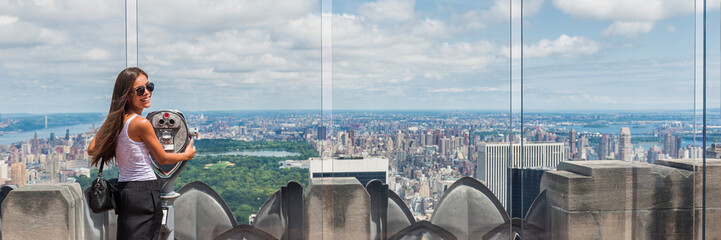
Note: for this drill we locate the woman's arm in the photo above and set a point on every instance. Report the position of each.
(145, 131)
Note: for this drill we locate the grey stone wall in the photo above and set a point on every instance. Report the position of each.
(43, 212)
(622, 200)
(582, 200)
(337, 208)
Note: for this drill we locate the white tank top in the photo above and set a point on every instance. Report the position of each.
(133, 158)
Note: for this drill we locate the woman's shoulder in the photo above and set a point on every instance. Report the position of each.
(140, 122)
(139, 126)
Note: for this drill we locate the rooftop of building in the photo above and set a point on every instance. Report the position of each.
(654, 201)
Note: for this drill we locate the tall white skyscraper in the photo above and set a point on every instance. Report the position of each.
(3, 171)
(625, 149)
(363, 169)
(445, 146)
(493, 162)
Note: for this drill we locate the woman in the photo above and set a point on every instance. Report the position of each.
(129, 139)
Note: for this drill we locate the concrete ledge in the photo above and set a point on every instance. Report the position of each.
(336, 208)
(44, 212)
(600, 168)
(615, 186)
(713, 179)
(623, 200)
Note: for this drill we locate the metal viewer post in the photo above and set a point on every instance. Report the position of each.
(172, 131)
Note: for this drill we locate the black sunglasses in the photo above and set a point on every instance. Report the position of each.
(141, 90)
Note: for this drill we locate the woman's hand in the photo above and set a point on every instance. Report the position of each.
(142, 128)
(189, 150)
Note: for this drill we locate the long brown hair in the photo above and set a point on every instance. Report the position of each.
(107, 138)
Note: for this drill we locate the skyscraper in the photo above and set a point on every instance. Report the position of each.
(603, 147)
(363, 169)
(539, 135)
(679, 143)
(572, 142)
(399, 140)
(669, 145)
(445, 146)
(342, 139)
(17, 174)
(625, 149)
(653, 154)
(35, 144)
(583, 143)
(321, 132)
(493, 162)
(429, 138)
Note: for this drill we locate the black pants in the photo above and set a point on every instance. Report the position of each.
(139, 210)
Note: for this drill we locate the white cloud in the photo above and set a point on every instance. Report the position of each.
(398, 92)
(582, 98)
(500, 9)
(368, 56)
(14, 32)
(56, 13)
(499, 12)
(670, 28)
(447, 90)
(598, 99)
(628, 29)
(7, 20)
(470, 89)
(365, 54)
(431, 28)
(563, 46)
(302, 32)
(209, 16)
(627, 10)
(97, 54)
(388, 10)
(248, 52)
(434, 75)
(260, 54)
(631, 17)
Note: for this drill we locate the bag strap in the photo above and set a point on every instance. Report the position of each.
(100, 171)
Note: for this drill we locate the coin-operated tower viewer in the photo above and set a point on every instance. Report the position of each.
(172, 130)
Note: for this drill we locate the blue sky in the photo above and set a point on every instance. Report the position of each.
(63, 56)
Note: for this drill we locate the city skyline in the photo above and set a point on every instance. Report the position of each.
(423, 55)
(423, 152)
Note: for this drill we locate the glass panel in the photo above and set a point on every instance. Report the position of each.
(708, 216)
(58, 62)
(247, 75)
(418, 88)
(609, 97)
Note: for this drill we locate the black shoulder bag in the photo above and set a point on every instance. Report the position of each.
(101, 193)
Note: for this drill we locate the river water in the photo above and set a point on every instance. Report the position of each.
(636, 131)
(9, 138)
(611, 129)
